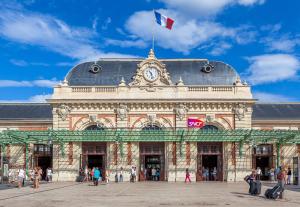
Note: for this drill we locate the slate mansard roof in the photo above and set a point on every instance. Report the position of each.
(33, 111)
(25, 111)
(276, 111)
(112, 71)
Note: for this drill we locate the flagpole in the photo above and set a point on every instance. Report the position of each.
(153, 24)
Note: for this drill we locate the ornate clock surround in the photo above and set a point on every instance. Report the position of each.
(142, 82)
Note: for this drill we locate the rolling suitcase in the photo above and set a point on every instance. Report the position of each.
(257, 187)
(274, 192)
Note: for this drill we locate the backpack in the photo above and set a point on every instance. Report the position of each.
(280, 176)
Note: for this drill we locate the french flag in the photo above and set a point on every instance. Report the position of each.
(163, 20)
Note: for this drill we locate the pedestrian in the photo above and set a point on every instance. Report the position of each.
(37, 177)
(250, 179)
(187, 175)
(49, 174)
(157, 174)
(289, 174)
(153, 173)
(92, 174)
(271, 174)
(86, 174)
(276, 172)
(258, 173)
(281, 178)
(145, 174)
(121, 175)
(107, 176)
(206, 174)
(214, 173)
(96, 176)
(21, 177)
(133, 174)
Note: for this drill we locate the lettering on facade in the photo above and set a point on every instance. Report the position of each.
(195, 123)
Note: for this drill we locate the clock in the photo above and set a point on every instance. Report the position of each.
(151, 74)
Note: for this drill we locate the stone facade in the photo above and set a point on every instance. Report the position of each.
(140, 103)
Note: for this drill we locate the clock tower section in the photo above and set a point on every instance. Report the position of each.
(150, 74)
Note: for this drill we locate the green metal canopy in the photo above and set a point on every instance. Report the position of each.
(253, 137)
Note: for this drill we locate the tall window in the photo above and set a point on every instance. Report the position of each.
(209, 128)
(95, 127)
(152, 127)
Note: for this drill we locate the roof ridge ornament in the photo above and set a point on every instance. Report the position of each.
(122, 82)
(180, 82)
(151, 54)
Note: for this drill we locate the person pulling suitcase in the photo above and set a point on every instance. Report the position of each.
(254, 185)
(277, 190)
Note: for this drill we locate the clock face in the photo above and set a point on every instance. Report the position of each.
(151, 74)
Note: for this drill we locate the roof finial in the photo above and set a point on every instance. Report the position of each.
(151, 54)
(122, 82)
(180, 82)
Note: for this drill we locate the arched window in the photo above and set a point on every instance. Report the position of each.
(95, 127)
(209, 128)
(151, 127)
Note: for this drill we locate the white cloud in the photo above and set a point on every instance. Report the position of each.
(22, 26)
(270, 68)
(270, 97)
(106, 23)
(185, 35)
(35, 83)
(206, 7)
(32, 99)
(95, 23)
(23, 63)
(284, 43)
(220, 48)
(39, 98)
(126, 43)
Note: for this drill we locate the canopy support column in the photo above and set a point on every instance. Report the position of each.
(27, 158)
(278, 154)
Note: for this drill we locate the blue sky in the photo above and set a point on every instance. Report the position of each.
(41, 40)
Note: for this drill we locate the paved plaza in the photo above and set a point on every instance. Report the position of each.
(150, 194)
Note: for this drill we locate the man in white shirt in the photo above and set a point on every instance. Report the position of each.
(21, 177)
(49, 174)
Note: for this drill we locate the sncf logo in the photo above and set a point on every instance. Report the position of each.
(195, 123)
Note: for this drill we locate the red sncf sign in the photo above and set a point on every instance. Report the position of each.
(195, 123)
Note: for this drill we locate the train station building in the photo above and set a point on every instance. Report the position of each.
(168, 114)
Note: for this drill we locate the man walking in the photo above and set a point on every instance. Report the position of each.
(96, 176)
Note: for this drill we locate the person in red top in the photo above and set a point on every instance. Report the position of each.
(187, 175)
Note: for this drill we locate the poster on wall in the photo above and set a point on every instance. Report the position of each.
(193, 122)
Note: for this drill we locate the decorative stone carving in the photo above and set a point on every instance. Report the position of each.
(122, 111)
(141, 81)
(63, 111)
(93, 118)
(152, 118)
(181, 111)
(210, 118)
(239, 111)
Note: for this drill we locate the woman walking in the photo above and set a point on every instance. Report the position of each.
(187, 175)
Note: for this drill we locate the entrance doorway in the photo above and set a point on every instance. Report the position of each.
(210, 161)
(152, 161)
(263, 159)
(95, 161)
(42, 156)
(94, 155)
